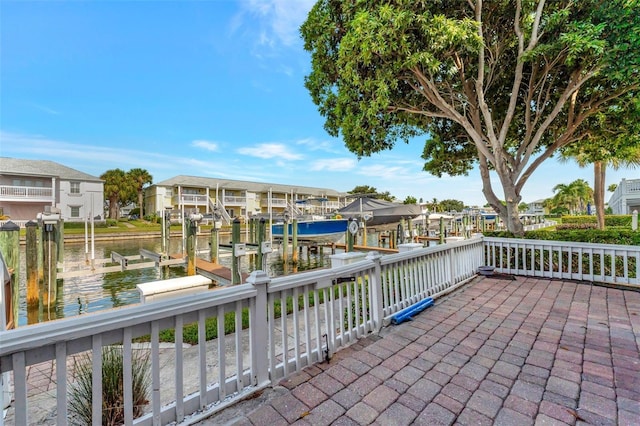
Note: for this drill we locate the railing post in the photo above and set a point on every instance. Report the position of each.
(259, 329)
(375, 285)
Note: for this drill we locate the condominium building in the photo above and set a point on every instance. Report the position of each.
(626, 198)
(29, 187)
(242, 199)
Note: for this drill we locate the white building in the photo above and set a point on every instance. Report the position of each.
(536, 207)
(27, 187)
(626, 198)
(235, 198)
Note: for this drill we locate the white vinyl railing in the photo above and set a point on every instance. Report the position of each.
(605, 263)
(293, 321)
(25, 192)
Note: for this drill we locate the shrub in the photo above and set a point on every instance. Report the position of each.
(80, 392)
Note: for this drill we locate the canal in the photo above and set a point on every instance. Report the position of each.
(94, 292)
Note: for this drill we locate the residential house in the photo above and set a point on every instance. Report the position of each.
(234, 198)
(536, 207)
(626, 198)
(29, 187)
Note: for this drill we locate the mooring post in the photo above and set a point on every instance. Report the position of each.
(235, 260)
(214, 243)
(60, 241)
(285, 240)
(33, 289)
(49, 261)
(294, 242)
(352, 229)
(192, 228)
(261, 236)
(10, 248)
(441, 230)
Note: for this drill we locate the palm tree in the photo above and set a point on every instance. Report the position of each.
(116, 187)
(573, 196)
(141, 178)
(627, 156)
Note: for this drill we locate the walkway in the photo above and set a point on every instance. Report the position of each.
(503, 351)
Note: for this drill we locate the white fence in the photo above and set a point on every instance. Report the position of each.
(274, 327)
(605, 263)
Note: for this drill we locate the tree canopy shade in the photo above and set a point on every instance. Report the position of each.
(501, 85)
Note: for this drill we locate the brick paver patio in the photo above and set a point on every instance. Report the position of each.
(501, 351)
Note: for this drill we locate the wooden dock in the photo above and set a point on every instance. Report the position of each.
(220, 274)
(368, 248)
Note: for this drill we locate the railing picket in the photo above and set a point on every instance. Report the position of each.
(61, 383)
(96, 378)
(127, 376)
(296, 329)
(20, 387)
(155, 373)
(179, 369)
(238, 348)
(222, 364)
(202, 357)
(307, 321)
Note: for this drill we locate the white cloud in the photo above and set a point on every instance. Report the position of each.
(280, 20)
(270, 150)
(207, 145)
(334, 164)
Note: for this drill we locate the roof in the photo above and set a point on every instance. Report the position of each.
(44, 168)
(258, 187)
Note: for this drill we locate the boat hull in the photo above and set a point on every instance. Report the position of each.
(321, 231)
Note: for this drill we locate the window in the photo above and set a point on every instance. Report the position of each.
(75, 211)
(75, 187)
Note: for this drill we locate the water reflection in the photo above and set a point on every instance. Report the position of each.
(100, 291)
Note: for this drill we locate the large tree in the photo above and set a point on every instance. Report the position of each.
(141, 177)
(614, 145)
(117, 187)
(502, 85)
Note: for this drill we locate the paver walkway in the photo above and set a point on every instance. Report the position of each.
(501, 351)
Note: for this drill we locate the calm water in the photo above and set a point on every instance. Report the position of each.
(95, 292)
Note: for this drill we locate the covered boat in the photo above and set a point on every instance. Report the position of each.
(379, 212)
(316, 230)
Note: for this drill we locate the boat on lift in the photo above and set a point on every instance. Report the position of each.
(315, 229)
(379, 212)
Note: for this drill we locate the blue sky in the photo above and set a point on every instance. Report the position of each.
(202, 88)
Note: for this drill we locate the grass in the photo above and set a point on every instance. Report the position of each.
(80, 392)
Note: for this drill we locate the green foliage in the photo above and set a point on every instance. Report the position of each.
(451, 205)
(610, 220)
(80, 391)
(410, 200)
(610, 236)
(504, 87)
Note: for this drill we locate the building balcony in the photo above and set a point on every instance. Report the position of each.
(190, 200)
(25, 193)
(275, 202)
(234, 201)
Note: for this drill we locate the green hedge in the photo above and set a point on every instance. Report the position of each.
(609, 220)
(621, 236)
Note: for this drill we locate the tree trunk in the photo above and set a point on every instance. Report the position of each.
(113, 208)
(141, 214)
(599, 171)
(509, 213)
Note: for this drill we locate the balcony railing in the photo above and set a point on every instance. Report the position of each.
(327, 309)
(275, 202)
(633, 186)
(235, 201)
(35, 193)
(190, 199)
